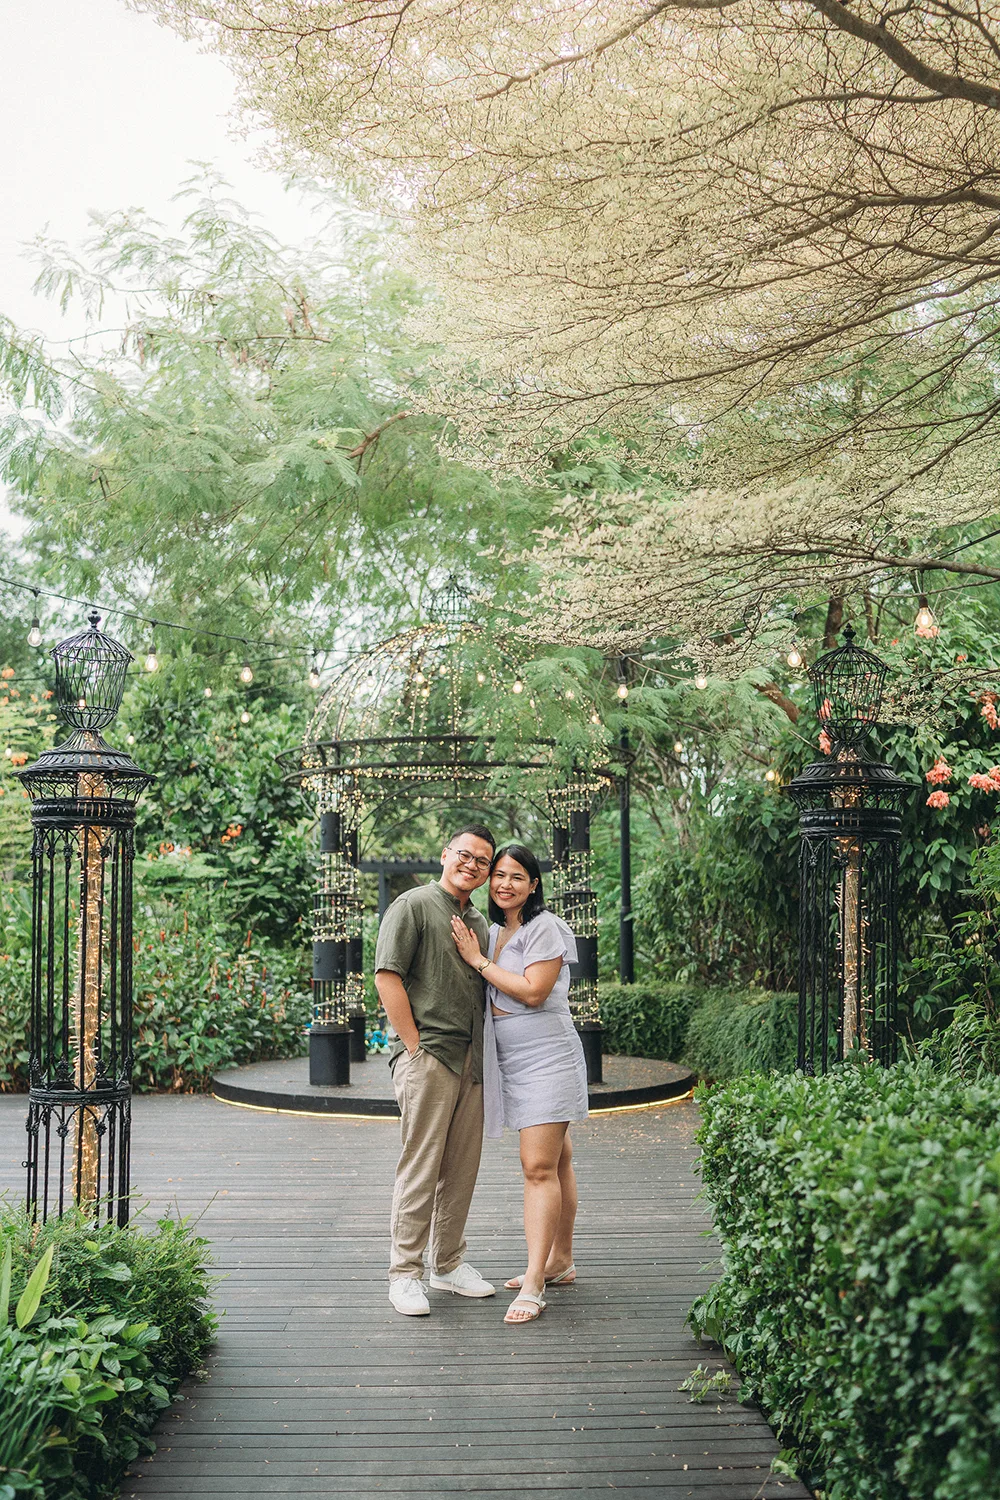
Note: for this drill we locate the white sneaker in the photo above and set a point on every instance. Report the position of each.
(464, 1281)
(408, 1296)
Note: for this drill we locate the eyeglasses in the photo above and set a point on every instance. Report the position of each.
(476, 860)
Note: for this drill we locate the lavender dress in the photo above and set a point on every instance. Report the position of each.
(534, 1071)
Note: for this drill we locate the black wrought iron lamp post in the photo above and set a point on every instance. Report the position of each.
(576, 902)
(848, 870)
(83, 795)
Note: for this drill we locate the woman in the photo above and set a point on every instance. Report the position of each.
(535, 1076)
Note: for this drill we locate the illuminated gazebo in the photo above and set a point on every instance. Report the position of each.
(438, 715)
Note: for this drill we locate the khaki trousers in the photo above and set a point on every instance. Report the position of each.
(442, 1135)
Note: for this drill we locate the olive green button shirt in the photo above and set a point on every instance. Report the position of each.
(446, 994)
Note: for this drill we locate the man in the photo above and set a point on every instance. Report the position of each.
(434, 1002)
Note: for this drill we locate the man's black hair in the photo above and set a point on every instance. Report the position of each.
(478, 831)
(536, 899)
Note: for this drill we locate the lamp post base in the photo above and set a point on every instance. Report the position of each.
(359, 1045)
(329, 1053)
(591, 1034)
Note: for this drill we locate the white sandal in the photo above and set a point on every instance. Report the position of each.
(526, 1299)
(565, 1278)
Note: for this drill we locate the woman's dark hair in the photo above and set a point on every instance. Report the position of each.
(536, 900)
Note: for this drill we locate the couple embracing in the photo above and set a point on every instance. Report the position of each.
(485, 1035)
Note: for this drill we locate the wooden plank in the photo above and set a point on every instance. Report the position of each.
(318, 1388)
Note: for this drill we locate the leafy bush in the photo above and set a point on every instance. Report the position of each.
(203, 1000)
(106, 1322)
(718, 1032)
(647, 1020)
(742, 1031)
(860, 1218)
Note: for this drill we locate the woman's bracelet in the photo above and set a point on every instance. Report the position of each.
(484, 966)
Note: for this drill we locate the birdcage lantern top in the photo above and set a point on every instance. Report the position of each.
(848, 683)
(90, 677)
(449, 605)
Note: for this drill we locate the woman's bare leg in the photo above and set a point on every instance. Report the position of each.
(541, 1152)
(561, 1254)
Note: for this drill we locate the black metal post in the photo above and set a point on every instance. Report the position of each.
(83, 794)
(850, 831)
(626, 932)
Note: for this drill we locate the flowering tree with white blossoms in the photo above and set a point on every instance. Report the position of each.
(772, 224)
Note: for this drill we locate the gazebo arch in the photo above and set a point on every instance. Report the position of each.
(438, 713)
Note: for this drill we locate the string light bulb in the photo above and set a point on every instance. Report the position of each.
(81, 702)
(130, 739)
(925, 623)
(623, 691)
(419, 678)
(480, 677)
(35, 633)
(701, 682)
(678, 747)
(314, 675)
(244, 717)
(152, 662)
(442, 670)
(518, 686)
(770, 775)
(794, 657)
(208, 692)
(246, 672)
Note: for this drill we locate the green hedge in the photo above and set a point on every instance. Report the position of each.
(99, 1328)
(647, 1020)
(205, 998)
(718, 1032)
(743, 1031)
(860, 1219)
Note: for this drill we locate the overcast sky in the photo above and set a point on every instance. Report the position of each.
(103, 109)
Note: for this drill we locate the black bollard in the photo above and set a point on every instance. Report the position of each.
(329, 1053)
(592, 1037)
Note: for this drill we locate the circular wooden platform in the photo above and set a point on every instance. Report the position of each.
(628, 1081)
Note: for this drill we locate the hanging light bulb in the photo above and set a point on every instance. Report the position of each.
(425, 692)
(518, 686)
(623, 691)
(794, 657)
(152, 662)
(81, 702)
(130, 739)
(770, 775)
(678, 747)
(701, 682)
(925, 623)
(314, 675)
(246, 672)
(8, 751)
(244, 717)
(208, 692)
(420, 678)
(35, 633)
(480, 677)
(442, 670)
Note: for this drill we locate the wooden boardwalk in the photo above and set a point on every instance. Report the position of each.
(317, 1388)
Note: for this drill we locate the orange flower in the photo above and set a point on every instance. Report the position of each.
(939, 772)
(7, 672)
(825, 743)
(938, 799)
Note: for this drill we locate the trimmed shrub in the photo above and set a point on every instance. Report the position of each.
(742, 1031)
(647, 1020)
(100, 1326)
(204, 998)
(860, 1218)
(717, 1032)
